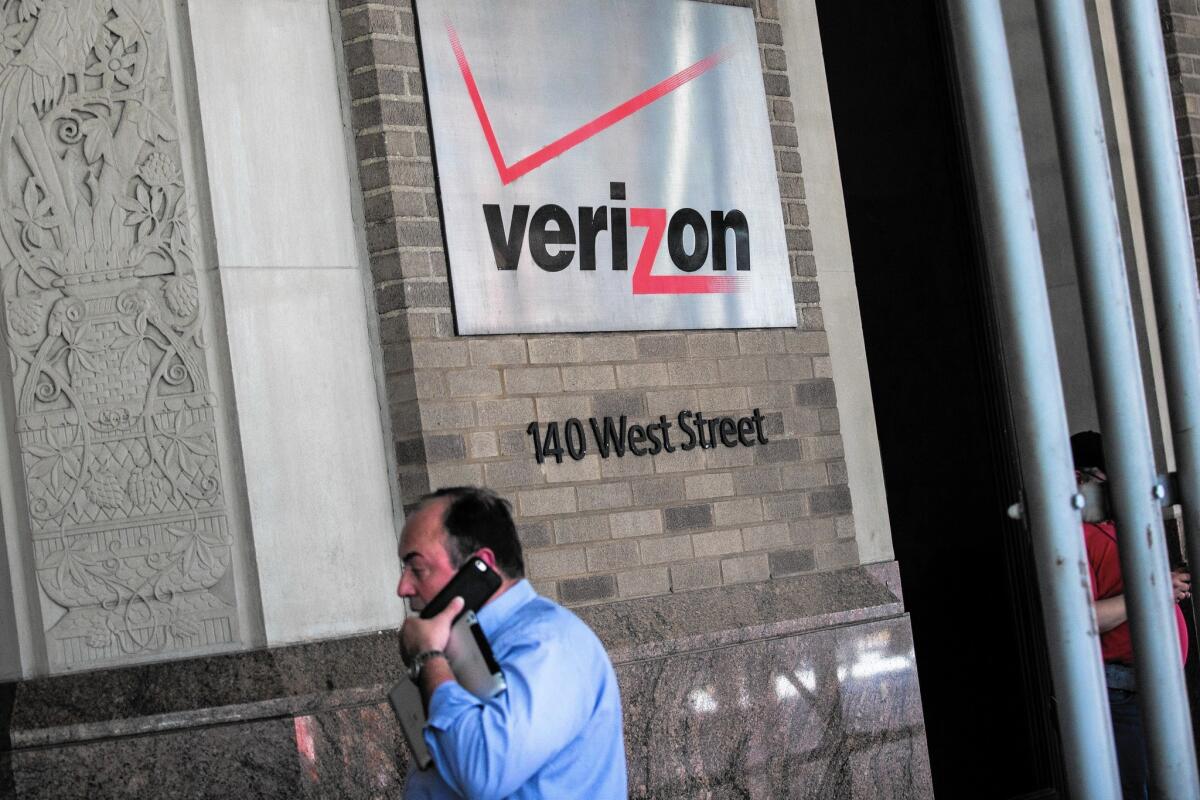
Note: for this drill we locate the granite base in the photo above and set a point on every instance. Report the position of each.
(800, 688)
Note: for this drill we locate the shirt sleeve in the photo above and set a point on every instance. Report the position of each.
(488, 749)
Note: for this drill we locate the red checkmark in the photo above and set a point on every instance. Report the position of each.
(508, 174)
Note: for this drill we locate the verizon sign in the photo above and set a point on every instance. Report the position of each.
(604, 165)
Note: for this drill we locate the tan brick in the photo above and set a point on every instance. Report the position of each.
(670, 402)
(739, 511)
(820, 448)
(440, 354)
(670, 548)
(644, 582)
(504, 474)
(809, 342)
(802, 421)
(498, 413)
(747, 369)
(560, 409)
(627, 467)
(845, 527)
(758, 342)
(716, 543)
(636, 523)
(662, 345)
(767, 537)
(570, 471)
(743, 569)
(571, 530)
(822, 367)
(813, 531)
(604, 495)
(756, 480)
(482, 445)
(724, 399)
(770, 396)
(547, 589)
(445, 415)
(656, 491)
(807, 475)
(588, 378)
(639, 376)
(612, 556)
(842, 553)
(554, 350)
(532, 380)
(498, 352)
(540, 502)
(709, 485)
(697, 575)
(694, 373)
(680, 460)
(785, 506)
(789, 367)
(441, 475)
(727, 457)
(428, 384)
(473, 382)
(556, 563)
(713, 345)
(596, 349)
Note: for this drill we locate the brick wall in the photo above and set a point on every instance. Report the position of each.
(1181, 34)
(596, 529)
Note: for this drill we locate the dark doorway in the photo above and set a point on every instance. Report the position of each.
(941, 402)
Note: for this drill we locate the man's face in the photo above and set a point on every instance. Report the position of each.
(425, 564)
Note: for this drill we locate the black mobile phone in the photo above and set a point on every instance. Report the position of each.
(475, 582)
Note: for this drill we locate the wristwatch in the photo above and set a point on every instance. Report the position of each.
(418, 662)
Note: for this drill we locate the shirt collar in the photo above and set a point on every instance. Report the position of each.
(493, 615)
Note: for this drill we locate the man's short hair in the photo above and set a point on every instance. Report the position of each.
(476, 518)
(1087, 450)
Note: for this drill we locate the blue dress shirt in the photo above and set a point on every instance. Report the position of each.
(555, 732)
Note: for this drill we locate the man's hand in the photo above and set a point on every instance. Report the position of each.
(1181, 582)
(419, 635)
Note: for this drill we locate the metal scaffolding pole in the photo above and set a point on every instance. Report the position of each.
(1051, 504)
(1120, 396)
(1169, 242)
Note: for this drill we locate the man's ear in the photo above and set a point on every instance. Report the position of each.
(486, 555)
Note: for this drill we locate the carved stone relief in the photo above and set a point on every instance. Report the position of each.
(115, 411)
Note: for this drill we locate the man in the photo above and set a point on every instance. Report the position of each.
(1116, 646)
(555, 732)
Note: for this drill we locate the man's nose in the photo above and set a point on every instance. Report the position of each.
(405, 587)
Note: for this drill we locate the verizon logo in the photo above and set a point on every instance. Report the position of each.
(555, 238)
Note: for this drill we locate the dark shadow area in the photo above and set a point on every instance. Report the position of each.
(941, 402)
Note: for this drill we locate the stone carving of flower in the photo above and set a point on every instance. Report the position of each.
(25, 314)
(196, 544)
(183, 297)
(59, 456)
(36, 213)
(158, 171)
(113, 63)
(144, 208)
(184, 446)
(71, 564)
(143, 489)
(103, 489)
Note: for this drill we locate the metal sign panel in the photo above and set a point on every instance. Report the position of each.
(605, 165)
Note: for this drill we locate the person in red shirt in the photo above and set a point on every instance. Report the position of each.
(1116, 646)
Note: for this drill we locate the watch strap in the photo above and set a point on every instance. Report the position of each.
(419, 660)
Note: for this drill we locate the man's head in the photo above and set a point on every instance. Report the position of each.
(448, 527)
(1087, 450)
